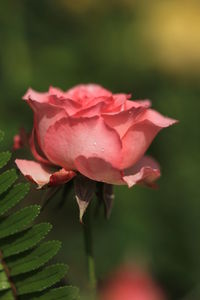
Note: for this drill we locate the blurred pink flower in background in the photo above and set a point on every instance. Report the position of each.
(131, 283)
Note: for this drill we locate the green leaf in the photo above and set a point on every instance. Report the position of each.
(1, 136)
(4, 158)
(22, 260)
(16, 194)
(4, 283)
(25, 240)
(7, 295)
(34, 260)
(62, 293)
(7, 179)
(18, 221)
(42, 279)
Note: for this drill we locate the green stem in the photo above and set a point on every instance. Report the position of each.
(89, 250)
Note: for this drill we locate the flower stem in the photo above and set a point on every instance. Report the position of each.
(89, 250)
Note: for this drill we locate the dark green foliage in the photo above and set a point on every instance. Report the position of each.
(26, 240)
(4, 158)
(7, 179)
(18, 221)
(35, 259)
(22, 255)
(13, 196)
(63, 293)
(42, 279)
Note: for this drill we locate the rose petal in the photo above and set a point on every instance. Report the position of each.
(89, 137)
(43, 175)
(36, 96)
(70, 106)
(138, 138)
(84, 92)
(138, 103)
(60, 177)
(146, 171)
(36, 151)
(122, 121)
(54, 91)
(94, 110)
(98, 169)
(136, 141)
(157, 119)
(45, 115)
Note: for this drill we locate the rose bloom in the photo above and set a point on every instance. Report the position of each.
(91, 131)
(130, 283)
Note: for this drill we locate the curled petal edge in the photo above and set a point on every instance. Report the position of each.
(145, 172)
(42, 175)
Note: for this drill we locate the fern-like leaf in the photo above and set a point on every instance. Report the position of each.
(62, 293)
(25, 240)
(4, 158)
(7, 179)
(23, 256)
(42, 279)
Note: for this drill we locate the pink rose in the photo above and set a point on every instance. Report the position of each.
(88, 129)
(130, 283)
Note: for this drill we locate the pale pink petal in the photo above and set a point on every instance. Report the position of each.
(34, 171)
(157, 119)
(117, 104)
(89, 137)
(98, 169)
(146, 171)
(136, 141)
(70, 106)
(45, 113)
(138, 103)
(84, 92)
(91, 111)
(36, 150)
(45, 116)
(139, 137)
(36, 96)
(43, 175)
(122, 121)
(56, 92)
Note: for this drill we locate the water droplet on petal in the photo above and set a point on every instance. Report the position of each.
(102, 149)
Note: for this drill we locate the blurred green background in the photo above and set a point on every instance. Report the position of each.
(152, 50)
